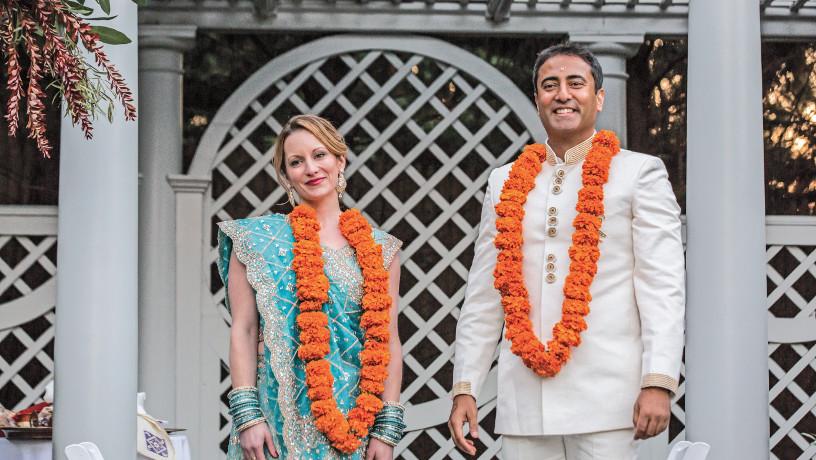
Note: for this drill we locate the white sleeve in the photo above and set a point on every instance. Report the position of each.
(659, 275)
(481, 319)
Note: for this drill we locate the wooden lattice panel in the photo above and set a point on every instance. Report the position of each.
(792, 366)
(27, 269)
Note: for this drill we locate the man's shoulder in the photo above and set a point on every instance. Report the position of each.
(631, 160)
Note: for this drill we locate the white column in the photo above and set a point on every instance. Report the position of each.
(161, 53)
(190, 256)
(726, 339)
(96, 329)
(612, 52)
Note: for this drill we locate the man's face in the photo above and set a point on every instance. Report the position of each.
(565, 97)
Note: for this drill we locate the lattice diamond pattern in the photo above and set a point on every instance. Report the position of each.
(26, 361)
(792, 294)
(26, 350)
(26, 262)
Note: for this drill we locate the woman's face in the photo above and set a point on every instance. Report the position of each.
(311, 169)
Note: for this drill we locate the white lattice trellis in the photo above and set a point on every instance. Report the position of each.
(27, 293)
(792, 347)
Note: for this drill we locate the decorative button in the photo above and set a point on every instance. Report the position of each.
(552, 211)
(552, 231)
(550, 278)
(552, 220)
(556, 189)
(550, 267)
(550, 257)
(558, 181)
(560, 173)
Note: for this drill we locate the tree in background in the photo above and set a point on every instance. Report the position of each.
(789, 112)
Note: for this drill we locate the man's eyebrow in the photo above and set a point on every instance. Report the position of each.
(569, 77)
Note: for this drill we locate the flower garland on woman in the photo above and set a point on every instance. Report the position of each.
(320, 284)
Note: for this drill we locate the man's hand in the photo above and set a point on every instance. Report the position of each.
(464, 410)
(652, 412)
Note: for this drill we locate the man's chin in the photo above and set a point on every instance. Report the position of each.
(563, 128)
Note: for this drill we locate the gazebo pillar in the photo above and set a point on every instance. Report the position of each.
(726, 346)
(161, 53)
(612, 52)
(96, 326)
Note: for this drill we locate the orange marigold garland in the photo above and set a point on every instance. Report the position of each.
(344, 434)
(547, 361)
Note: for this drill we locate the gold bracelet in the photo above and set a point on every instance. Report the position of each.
(237, 389)
(394, 404)
(383, 439)
(250, 424)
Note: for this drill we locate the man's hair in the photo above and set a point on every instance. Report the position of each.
(569, 49)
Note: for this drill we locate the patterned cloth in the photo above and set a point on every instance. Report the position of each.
(264, 244)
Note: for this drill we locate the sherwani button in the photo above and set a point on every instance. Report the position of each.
(558, 181)
(556, 189)
(550, 257)
(560, 173)
(550, 278)
(550, 267)
(552, 211)
(552, 220)
(552, 231)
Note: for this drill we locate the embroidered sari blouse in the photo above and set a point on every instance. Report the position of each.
(264, 245)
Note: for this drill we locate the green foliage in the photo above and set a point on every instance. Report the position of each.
(110, 36)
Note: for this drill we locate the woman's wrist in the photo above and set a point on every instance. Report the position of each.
(245, 407)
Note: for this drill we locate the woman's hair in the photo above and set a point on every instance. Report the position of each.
(320, 128)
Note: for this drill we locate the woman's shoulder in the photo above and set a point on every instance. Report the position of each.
(265, 223)
(390, 245)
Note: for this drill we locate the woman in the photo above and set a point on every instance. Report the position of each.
(322, 380)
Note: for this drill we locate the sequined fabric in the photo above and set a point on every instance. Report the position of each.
(264, 245)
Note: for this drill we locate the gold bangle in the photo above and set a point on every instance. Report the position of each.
(383, 439)
(394, 404)
(250, 424)
(237, 389)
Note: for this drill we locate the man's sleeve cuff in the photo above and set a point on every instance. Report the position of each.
(461, 388)
(659, 381)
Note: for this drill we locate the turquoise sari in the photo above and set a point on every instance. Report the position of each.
(264, 245)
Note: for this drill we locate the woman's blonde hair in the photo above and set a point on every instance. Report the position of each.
(320, 128)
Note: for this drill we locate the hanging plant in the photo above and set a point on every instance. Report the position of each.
(45, 36)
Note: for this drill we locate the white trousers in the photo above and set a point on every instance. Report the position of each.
(603, 445)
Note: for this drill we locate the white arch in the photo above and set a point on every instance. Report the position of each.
(277, 68)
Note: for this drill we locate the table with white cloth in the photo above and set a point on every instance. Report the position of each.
(41, 449)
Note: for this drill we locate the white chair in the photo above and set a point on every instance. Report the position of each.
(83, 451)
(685, 450)
(93, 450)
(77, 452)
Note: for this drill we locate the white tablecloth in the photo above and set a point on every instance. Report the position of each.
(41, 450)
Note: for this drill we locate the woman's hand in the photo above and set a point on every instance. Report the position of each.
(378, 450)
(253, 440)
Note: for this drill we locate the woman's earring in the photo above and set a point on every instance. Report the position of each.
(341, 186)
(289, 194)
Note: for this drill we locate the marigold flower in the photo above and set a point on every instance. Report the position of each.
(312, 290)
(584, 254)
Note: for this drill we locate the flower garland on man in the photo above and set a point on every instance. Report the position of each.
(579, 258)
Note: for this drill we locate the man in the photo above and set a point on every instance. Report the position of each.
(593, 314)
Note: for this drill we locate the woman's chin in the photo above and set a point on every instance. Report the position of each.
(318, 196)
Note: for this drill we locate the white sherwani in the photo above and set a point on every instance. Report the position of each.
(635, 334)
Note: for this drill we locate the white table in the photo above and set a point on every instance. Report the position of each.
(41, 449)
